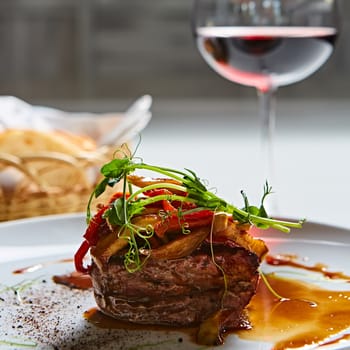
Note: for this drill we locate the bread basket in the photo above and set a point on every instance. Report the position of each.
(50, 160)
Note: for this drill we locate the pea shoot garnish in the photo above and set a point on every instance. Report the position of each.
(193, 189)
(184, 199)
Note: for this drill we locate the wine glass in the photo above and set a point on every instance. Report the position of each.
(265, 44)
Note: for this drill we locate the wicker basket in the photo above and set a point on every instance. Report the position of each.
(50, 159)
(49, 183)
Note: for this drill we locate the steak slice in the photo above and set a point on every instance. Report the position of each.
(208, 288)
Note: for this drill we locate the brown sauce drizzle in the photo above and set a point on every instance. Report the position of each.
(290, 260)
(74, 280)
(295, 322)
(35, 267)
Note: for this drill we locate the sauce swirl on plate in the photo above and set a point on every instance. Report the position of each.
(308, 314)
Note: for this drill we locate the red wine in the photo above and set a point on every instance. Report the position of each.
(266, 57)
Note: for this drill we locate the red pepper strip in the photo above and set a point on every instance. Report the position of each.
(183, 205)
(90, 239)
(167, 206)
(157, 192)
(116, 196)
(91, 236)
(79, 257)
(175, 223)
(91, 232)
(175, 204)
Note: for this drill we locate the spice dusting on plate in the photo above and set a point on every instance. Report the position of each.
(51, 316)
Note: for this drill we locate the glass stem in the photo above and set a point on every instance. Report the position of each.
(267, 110)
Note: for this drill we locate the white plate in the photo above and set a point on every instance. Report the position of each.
(51, 315)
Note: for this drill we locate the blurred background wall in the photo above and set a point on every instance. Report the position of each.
(119, 49)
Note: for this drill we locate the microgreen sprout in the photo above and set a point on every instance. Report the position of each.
(18, 343)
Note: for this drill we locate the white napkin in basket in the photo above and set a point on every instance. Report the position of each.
(103, 128)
